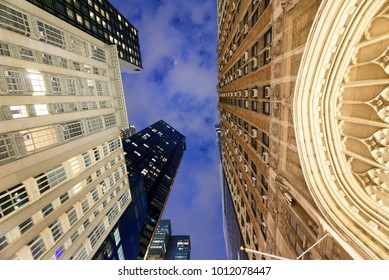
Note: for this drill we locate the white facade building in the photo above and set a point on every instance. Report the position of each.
(62, 170)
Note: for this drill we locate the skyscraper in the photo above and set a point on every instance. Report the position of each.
(166, 246)
(101, 20)
(63, 173)
(156, 153)
(302, 125)
(232, 235)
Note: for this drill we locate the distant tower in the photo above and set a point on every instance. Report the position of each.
(166, 246)
(232, 236)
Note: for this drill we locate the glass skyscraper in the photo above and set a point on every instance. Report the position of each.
(101, 20)
(166, 246)
(232, 236)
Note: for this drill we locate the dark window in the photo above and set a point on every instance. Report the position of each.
(266, 108)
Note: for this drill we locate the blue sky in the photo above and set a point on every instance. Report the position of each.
(178, 84)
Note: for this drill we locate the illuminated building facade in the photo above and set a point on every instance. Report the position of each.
(155, 152)
(166, 246)
(64, 181)
(100, 19)
(303, 116)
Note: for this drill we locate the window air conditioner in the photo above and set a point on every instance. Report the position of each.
(254, 181)
(265, 157)
(246, 168)
(245, 56)
(245, 28)
(239, 72)
(266, 93)
(255, 92)
(246, 93)
(254, 133)
(255, 62)
(267, 54)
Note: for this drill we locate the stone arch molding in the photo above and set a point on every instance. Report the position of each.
(341, 116)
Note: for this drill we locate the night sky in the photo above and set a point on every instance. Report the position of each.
(178, 84)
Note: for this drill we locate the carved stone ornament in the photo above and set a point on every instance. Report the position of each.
(275, 130)
(276, 108)
(278, 25)
(276, 92)
(277, 70)
(272, 203)
(288, 5)
(277, 49)
(281, 184)
(274, 163)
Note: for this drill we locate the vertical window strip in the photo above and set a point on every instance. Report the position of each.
(12, 199)
(37, 247)
(51, 35)
(96, 233)
(13, 20)
(51, 178)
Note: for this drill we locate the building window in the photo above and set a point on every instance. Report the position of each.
(254, 17)
(72, 130)
(246, 69)
(266, 108)
(96, 153)
(12, 199)
(51, 35)
(265, 139)
(96, 233)
(3, 242)
(63, 63)
(87, 159)
(37, 83)
(95, 195)
(76, 66)
(14, 20)
(94, 124)
(39, 138)
(55, 84)
(24, 226)
(64, 197)
(37, 247)
(98, 54)
(7, 148)
(267, 38)
(72, 216)
(46, 59)
(4, 49)
(14, 81)
(85, 205)
(56, 230)
(70, 86)
(50, 178)
(110, 120)
(296, 236)
(19, 111)
(47, 209)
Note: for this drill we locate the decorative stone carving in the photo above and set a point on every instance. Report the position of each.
(276, 92)
(288, 5)
(278, 25)
(274, 147)
(276, 110)
(274, 163)
(277, 70)
(277, 47)
(282, 184)
(275, 129)
(272, 204)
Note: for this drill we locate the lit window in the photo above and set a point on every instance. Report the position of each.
(38, 84)
(41, 109)
(18, 111)
(38, 138)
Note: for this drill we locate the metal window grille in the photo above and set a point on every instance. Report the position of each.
(51, 35)
(13, 20)
(94, 124)
(72, 130)
(27, 54)
(12, 199)
(4, 50)
(110, 120)
(7, 147)
(14, 81)
(50, 178)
